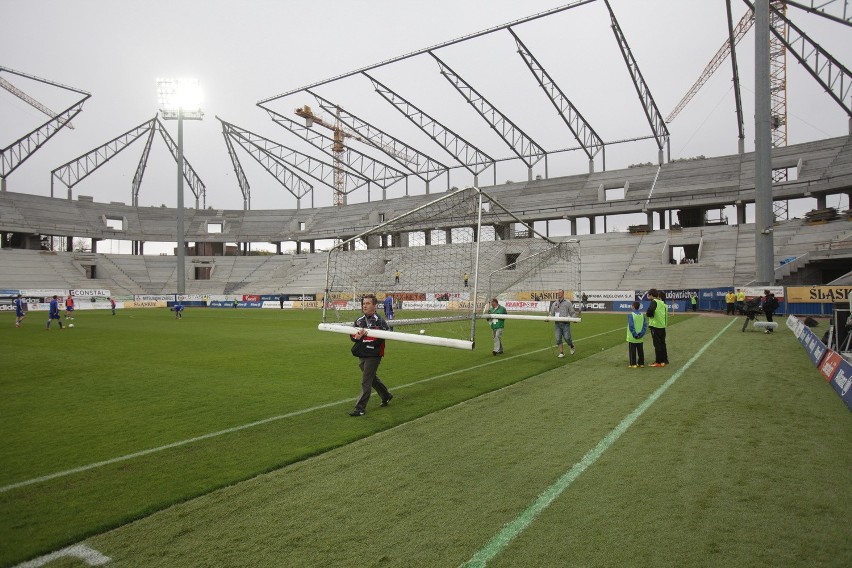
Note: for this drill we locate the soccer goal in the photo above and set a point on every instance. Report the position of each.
(430, 259)
(530, 283)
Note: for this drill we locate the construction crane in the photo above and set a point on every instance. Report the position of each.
(777, 78)
(29, 100)
(339, 147)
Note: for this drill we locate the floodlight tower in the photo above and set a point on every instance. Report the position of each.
(180, 99)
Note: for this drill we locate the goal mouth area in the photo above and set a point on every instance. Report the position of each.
(568, 319)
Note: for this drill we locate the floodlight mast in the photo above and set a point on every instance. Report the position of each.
(180, 99)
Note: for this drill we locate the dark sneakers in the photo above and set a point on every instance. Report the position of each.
(386, 401)
(357, 412)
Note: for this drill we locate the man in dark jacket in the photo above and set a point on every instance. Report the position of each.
(369, 351)
(769, 304)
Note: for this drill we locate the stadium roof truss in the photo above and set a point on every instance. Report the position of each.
(524, 147)
(824, 68)
(423, 166)
(469, 156)
(582, 131)
(73, 172)
(18, 151)
(268, 154)
(359, 163)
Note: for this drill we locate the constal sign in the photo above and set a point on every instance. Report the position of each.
(819, 294)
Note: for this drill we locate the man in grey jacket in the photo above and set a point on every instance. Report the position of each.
(563, 308)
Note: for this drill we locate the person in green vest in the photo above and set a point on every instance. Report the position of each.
(497, 325)
(658, 318)
(637, 325)
(693, 298)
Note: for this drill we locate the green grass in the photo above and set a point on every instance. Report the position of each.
(739, 463)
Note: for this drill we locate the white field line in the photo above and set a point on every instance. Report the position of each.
(295, 413)
(517, 525)
(88, 555)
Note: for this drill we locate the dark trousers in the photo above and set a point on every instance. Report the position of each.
(636, 352)
(369, 381)
(661, 354)
(730, 311)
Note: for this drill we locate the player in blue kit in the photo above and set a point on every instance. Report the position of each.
(54, 313)
(19, 311)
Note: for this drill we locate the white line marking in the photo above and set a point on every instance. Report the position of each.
(517, 525)
(141, 453)
(88, 555)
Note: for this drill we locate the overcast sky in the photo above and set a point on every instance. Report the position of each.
(247, 51)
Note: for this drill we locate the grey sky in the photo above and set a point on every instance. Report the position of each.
(243, 52)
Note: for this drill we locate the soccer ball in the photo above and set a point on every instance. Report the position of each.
(422, 331)
(70, 325)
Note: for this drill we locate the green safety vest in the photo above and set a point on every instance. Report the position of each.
(497, 323)
(661, 315)
(638, 323)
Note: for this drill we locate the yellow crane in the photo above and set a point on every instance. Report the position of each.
(777, 78)
(339, 147)
(29, 100)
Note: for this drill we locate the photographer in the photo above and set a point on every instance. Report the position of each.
(769, 303)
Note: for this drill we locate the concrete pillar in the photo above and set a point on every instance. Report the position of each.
(427, 237)
(374, 241)
(94, 244)
(649, 219)
(313, 245)
(822, 201)
(592, 225)
(402, 239)
(741, 213)
(278, 247)
(573, 223)
(449, 233)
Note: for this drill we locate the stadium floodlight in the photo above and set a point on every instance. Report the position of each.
(180, 99)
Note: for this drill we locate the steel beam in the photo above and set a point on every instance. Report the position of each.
(524, 147)
(413, 160)
(377, 172)
(465, 153)
(652, 113)
(579, 127)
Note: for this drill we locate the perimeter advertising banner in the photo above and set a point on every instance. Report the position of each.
(836, 370)
(676, 300)
(526, 306)
(818, 294)
(813, 346)
(607, 296)
(91, 293)
(754, 292)
(842, 380)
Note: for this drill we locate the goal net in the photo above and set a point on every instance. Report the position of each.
(529, 284)
(430, 261)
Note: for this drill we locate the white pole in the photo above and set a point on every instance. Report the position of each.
(398, 336)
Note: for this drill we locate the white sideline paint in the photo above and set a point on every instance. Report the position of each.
(88, 555)
(517, 525)
(149, 451)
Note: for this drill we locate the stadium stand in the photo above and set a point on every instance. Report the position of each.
(725, 254)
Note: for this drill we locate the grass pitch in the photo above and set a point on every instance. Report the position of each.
(741, 462)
